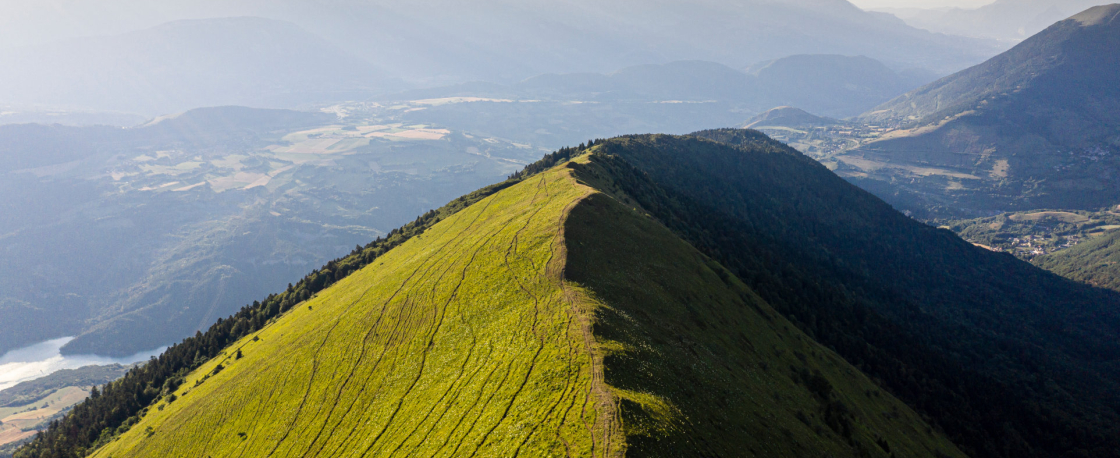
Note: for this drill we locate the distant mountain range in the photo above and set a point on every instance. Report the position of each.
(1035, 127)
(187, 64)
(832, 85)
(788, 117)
(339, 49)
(189, 257)
(1010, 20)
(656, 97)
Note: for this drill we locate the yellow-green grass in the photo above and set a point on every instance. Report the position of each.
(546, 320)
(460, 342)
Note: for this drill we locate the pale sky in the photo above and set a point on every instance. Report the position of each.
(865, 4)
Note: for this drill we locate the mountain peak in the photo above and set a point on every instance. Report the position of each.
(1097, 15)
(1032, 114)
(788, 116)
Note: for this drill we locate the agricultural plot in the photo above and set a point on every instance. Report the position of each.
(325, 146)
(1030, 234)
(20, 422)
(870, 166)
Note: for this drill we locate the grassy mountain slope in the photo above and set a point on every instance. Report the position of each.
(469, 340)
(1034, 127)
(1070, 48)
(461, 341)
(1010, 360)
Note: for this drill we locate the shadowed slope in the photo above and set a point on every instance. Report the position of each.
(704, 367)
(1009, 359)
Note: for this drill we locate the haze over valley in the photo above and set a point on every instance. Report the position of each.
(583, 228)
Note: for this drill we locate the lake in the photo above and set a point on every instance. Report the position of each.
(44, 358)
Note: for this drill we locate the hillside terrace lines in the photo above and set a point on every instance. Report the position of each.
(533, 327)
(430, 337)
(371, 333)
(365, 346)
(552, 275)
(431, 351)
(599, 396)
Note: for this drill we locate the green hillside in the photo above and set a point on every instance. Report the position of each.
(1096, 261)
(1028, 234)
(461, 341)
(545, 320)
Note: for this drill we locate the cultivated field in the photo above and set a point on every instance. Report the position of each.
(20, 422)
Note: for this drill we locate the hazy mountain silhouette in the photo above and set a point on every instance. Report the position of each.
(1034, 127)
(187, 64)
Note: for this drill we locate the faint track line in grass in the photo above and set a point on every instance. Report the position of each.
(481, 411)
(481, 391)
(314, 371)
(394, 332)
(484, 243)
(427, 349)
(606, 405)
(532, 362)
(513, 246)
(509, 406)
(568, 392)
(462, 368)
(429, 262)
(256, 425)
(446, 409)
(381, 356)
(538, 335)
(338, 320)
(567, 412)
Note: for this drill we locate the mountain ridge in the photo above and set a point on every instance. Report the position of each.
(823, 401)
(1006, 359)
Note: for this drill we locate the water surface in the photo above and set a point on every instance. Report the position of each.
(44, 358)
